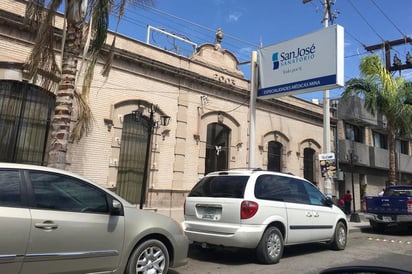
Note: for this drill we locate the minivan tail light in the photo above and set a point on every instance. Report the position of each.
(409, 206)
(248, 209)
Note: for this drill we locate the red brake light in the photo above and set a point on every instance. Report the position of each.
(248, 209)
(409, 206)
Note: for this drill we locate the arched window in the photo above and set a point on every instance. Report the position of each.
(308, 164)
(217, 147)
(275, 156)
(25, 113)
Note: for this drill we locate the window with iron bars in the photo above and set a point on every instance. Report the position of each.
(25, 113)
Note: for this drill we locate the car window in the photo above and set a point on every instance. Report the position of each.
(315, 196)
(280, 188)
(397, 192)
(299, 193)
(270, 187)
(60, 192)
(10, 188)
(220, 186)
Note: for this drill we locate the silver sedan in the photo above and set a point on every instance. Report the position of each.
(53, 221)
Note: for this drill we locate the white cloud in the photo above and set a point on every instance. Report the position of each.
(245, 50)
(234, 16)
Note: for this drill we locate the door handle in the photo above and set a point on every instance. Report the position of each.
(308, 214)
(316, 214)
(46, 225)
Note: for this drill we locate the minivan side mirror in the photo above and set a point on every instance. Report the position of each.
(328, 201)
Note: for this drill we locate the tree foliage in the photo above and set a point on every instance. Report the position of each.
(91, 19)
(382, 93)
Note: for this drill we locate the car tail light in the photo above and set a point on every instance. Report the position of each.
(248, 209)
(409, 206)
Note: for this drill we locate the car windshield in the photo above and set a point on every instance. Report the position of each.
(220, 186)
(398, 192)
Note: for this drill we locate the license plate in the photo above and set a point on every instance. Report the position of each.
(209, 213)
(387, 219)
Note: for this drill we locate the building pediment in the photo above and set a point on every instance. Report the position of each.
(214, 56)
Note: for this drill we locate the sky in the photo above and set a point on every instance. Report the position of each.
(248, 25)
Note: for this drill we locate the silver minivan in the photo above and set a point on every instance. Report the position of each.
(53, 221)
(261, 210)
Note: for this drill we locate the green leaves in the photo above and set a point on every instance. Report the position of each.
(385, 95)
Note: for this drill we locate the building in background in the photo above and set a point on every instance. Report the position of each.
(362, 151)
(207, 99)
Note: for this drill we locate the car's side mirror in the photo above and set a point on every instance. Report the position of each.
(116, 208)
(328, 201)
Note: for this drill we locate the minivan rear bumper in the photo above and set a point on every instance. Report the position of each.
(245, 236)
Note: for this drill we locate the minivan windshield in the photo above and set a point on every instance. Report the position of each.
(220, 186)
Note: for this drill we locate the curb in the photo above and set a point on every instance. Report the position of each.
(358, 226)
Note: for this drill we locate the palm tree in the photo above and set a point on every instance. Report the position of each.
(84, 35)
(386, 95)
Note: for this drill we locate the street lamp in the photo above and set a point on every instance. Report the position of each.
(354, 217)
(164, 121)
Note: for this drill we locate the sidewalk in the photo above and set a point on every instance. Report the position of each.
(357, 226)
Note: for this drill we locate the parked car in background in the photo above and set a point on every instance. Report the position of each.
(393, 207)
(261, 210)
(53, 221)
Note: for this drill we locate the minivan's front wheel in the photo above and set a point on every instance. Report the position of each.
(150, 257)
(339, 237)
(270, 248)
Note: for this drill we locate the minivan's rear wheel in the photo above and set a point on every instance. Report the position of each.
(150, 257)
(270, 248)
(339, 237)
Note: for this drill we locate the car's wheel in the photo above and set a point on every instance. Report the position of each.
(150, 257)
(340, 237)
(270, 248)
(377, 227)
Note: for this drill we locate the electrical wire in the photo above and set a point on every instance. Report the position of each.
(376, 5)
(364, 19)
(197, 33)
(200, 26)
(354, 38)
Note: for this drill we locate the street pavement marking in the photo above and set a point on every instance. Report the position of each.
(391, 241)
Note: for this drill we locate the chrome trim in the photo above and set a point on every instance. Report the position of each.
(13, 258)
(69, 255)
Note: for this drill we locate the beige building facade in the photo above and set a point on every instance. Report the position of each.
(207, 99)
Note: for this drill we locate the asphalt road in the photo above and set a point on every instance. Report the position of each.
(391, 249)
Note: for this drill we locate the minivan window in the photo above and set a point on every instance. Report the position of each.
(10, 188)
(59, 192)
(220, 186)
(280, 188)
(272, 187)
(315, 196)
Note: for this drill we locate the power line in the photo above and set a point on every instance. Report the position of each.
(363, 18)
(354, 37)
(200, 26)
(376, 5)
(196, 31)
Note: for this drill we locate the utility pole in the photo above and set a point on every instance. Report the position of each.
(326, 108)
(397, 65)
(327, 183)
